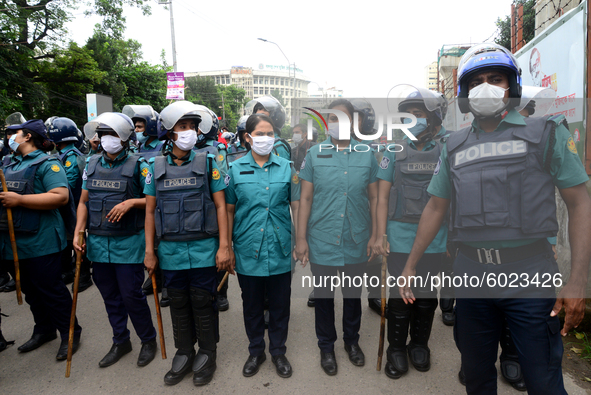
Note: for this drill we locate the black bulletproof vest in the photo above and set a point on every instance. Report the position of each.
(185, 210)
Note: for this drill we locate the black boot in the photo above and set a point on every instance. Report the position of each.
(448, 315)
(207, 332)
(164, 299)
(420, 331)
(222, 296)
(3, 342)
(4, 278)
(181, 315)
(398, 322)
(510, 367)
(311, 300)
(9, 286)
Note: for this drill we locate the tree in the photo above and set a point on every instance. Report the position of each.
(234, 101)
(277, 95)
(529, 24)
(203, 90)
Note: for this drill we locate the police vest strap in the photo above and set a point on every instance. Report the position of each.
(403, 153)
(65, 154)
(92, 163)
(458, 138)
(130, 164)
(197, 165)
(279, 140)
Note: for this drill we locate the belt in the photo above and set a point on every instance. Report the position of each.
(505, 255)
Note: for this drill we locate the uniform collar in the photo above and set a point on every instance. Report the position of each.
(172, 162)
(272, 160)
(67, 147)
(153, 144)
(29, 156)
(120, 158)
(510, 118)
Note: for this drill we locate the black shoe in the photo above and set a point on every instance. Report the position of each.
(328, 362)
(4, 279)
(36, 341)
(181, 365)
(511, 371)
(420, 357)
(375, 304)
(147, 353)
(448, 317)
(266, 318)
(251, 367)
(282, 365)
(397, 364)
(462, 378)
(9, 286)
(62, 353)
(115, 353)
(68, 277)
(84, 283)
(311, 300)
(164, 300)
(204, 367)
(223, 304)
(356, 355)
(4, 343)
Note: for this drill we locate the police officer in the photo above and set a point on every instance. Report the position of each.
(337, 210)
(499, 175)
(271, 107)
(113, 205)
(236, 149)
(145, 120)
(207, 141)
(38, 187)
(301, 144)
(405, 172)
(260, 187)
(186, 209)
(64, 133)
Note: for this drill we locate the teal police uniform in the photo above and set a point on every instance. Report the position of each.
(183, 255)
(339, 228)
(40, 253)
(281, 148)
(118, 264)
(70, 165)
(401, 235)
(262, 244)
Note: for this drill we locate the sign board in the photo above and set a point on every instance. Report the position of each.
(175, 88)
(96, 104)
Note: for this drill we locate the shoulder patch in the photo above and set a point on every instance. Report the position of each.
(384, 163)
(145, 172)
(215, 174)
(295, 179)
(227, 179)
(570, 144)
(220, 157)
(68, 163)
(148, 177)
(56, 168)
(84, 175)
(437, 167)
(303, 164)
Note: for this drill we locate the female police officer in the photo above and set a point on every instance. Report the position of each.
(112, 203)
(38, 186)
(186, 208)
(260, 187)
(405, 172)
(334, 227)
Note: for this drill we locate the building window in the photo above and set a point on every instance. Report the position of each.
(266, 91)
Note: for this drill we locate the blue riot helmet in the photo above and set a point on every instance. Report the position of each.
(269, 104)
(62, 130)
(143, 113)
(366, 111)
(488, 57)
(210, 124)
(536, 100)
(175, 112)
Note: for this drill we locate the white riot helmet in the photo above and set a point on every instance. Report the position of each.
(176, 111)
(110, 121)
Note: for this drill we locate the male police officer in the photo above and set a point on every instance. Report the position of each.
(499, 175)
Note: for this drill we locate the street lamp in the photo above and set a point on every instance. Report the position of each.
(292, 81)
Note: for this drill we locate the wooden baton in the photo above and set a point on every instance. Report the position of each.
(383, 320)
(17, 272)
(158, 317)
(74, 303)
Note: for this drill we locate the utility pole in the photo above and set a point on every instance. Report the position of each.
(169, 2)
(293, 108)
(223, 109)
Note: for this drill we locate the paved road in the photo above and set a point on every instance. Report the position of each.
(38, 372)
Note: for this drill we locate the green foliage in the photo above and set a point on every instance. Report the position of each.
(529, 24)
(277, 95)
(286, 132)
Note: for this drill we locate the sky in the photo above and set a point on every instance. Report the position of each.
(364, 48)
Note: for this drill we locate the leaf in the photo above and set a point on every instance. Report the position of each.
(587, 378)
(576, 350)
(580, 336)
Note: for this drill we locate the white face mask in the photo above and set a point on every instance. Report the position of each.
(487, 100)
(333, 130)
(297, 138)
(111, 144)
(185, 141)
(262, 145)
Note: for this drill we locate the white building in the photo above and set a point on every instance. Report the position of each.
(262, 81)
